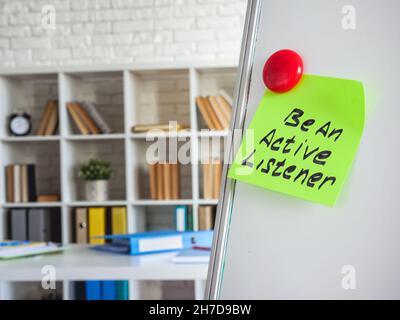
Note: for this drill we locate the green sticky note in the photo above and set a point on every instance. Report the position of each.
(303, 142)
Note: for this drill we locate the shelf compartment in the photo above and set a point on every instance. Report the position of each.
(103, 89)
(158, 97)
(45, 156)
(210, 82)
(164, 151)
(26, 93)
(80, 151)
(159, 217)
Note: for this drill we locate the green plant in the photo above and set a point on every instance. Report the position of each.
(95, 169)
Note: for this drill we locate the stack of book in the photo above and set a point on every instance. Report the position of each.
(20, 183)
(49, 121)
(35, 224)
(87, 119)
(212, 172)
(216, 111)
(91, 225)
(164, 181)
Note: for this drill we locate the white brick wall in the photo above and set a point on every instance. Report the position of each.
(120, 31)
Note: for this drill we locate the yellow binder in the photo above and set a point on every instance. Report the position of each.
(97, 225)
(118, 220)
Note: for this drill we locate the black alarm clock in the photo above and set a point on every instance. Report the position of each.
(19, 124)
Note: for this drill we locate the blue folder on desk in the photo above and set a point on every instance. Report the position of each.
(156, 241)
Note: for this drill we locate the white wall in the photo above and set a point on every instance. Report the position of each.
(120, 31)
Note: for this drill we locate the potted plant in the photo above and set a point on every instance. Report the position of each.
(96, 173)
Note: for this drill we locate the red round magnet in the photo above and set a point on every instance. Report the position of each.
(283, 71)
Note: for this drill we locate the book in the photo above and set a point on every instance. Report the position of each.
(87, 120)
(225, 107)
(175, 183)
(52, 123)
(39, 225)
(97, 226)
(173, 126)
(220, 114)
(181, 218)
(156, 241)
(213, 116)
(48, 198)
(91, 110)
(24, 183)
(18, 224)
(205, 113)
(31, 168)
(188, 256)
(10, 183)
(160, 181)
(153, 180)
(212, 172)
(206, 217)
(207, 181)
(167, 181)
(81, 225)
(17, 183)
(72, 110)
(45, 118)
(216, 176)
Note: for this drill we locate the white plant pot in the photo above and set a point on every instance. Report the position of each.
(96, 190)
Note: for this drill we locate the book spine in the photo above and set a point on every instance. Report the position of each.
(97, 118)
(223, 120)
(24, 183)
(17, 183)
(53, 120)
(217, 172)
(207, 181)
(77, 120)
(160, 182)
(225, 107)
(180, 218)
(167, 181)
(212, 114)
(86, 119)
(32, 195)
(175, 181)
(10, 183)
(44, 120)
(203, 108)
(153, 180)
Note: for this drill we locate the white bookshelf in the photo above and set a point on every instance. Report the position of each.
(125, 95)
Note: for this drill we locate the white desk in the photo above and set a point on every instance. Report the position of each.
(79, 263)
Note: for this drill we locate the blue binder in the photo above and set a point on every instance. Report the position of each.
(109, 290)
(93, 290)
(157, 241)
